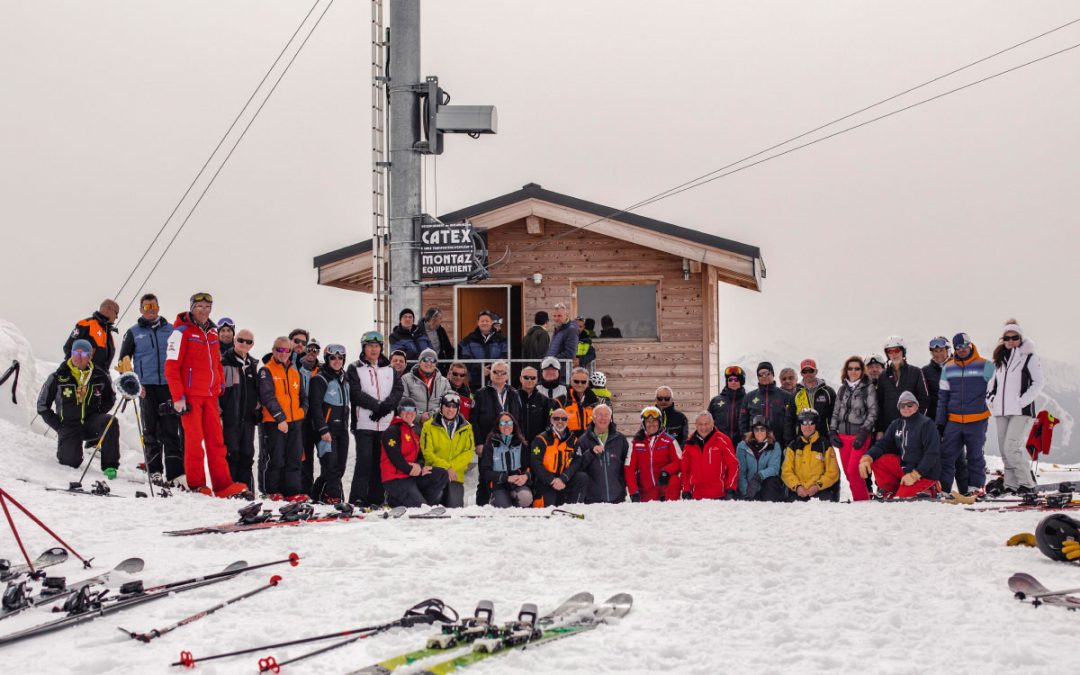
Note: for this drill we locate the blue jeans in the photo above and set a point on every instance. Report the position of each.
(958, 438)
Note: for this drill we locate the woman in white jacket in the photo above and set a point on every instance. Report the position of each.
(1018, 379)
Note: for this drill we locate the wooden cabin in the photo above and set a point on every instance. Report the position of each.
(657, 281)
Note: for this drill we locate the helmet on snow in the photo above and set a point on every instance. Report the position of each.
(1053, 531)
(894, 342)
(598, 380)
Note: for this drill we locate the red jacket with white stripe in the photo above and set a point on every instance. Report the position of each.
(709, 466)
(648, 456)
(193, 360)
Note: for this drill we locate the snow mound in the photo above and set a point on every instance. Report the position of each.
(15, 347)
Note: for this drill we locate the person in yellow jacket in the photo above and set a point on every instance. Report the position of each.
(447, 442)
(810, 468)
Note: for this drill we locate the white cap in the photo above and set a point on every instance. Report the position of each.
(550, 362)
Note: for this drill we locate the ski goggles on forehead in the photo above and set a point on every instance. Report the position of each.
(939, 342)
(202, 297)
(226, 322)
(408, 408)
(650, 413)
(372, 337)
(733, 371)
(335, 350)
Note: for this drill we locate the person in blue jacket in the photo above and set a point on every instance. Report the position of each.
(760, 458)
(408, 336)
(484, 343)
(962, 411)
(144, 347)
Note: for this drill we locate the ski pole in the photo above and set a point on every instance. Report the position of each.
(1051, 594)
(293, 561)
(97, 447)
(426, 612)
(158, 632)
(142, 444)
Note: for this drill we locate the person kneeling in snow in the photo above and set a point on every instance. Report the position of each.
(75, 401)
(710, 469)
(406, 481)
(906, 461)
(504, 464)
(810, 468)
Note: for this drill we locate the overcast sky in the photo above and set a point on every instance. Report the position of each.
(953, 216)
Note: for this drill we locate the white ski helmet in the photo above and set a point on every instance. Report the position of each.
(894, 341)
(598, 380)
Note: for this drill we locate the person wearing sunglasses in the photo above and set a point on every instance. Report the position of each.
(710, 469)
(284, 402)
(426, 385)
(97, 329)
(724, 407)
(771, 402)
(491, 401)
(853, 421)
(196, 380)
(447, 444)
(578, 402)
(458, 376)
(226, 333)
(75, 402)
(962, 411)
(810, 469)
(535, 406)
(939, 354)
(406, 480)
(814, 392)
(556, 464)
(484, 343)
(240, 407)
(673, 421)
(143, 349)
(1017, 382)
(652, 469)
(299, 339)
(408, 336)
(760, 459)
(375, 390)
(906, 460)
(504, 465)
(899, 376)
(603, 450)
(328, 415)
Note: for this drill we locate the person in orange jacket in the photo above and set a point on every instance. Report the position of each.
(652, 466)
(284, 402)
(710, 469)
(196, 379)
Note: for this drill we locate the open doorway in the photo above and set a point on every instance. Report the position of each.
(504, 300)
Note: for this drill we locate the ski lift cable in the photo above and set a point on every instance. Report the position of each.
(724, 170)
(243, 133)
(213, 153)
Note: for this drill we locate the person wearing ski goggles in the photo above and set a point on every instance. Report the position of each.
(328, 412)
(375, 390)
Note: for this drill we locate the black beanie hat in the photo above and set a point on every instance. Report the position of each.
(404, 312)
(765, 365)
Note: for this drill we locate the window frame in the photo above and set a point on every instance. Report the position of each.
(621, 281)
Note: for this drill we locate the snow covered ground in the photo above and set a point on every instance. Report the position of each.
(718, 587)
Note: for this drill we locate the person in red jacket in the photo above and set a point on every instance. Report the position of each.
(652, 466)
(196, 379)
(710, 469)
(406, 480)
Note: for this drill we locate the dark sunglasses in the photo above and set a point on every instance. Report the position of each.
(854, 369)
(528, 377)
(764, 373)
(733, 379)
(299, 341)
(245, 341)
(454, 373)
(428, 359)
(808, 371)
(282, 350)
(909, 404)
(663, 398)
(579, 381)
(499, 372)
(506, 423)
(1010, 338)
(337, 357)
(560, 419)
(313, 348)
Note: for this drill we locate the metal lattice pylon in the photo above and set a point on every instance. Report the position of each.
(380, 167)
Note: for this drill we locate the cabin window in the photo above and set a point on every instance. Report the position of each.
(631, 307)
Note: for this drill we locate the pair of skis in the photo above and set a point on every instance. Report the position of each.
(577, 615)
(86, 605)
(50, 557)
(254, 517)
(17, 597)
(1027, 588)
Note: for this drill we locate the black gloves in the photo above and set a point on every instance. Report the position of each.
(860, 438)
(663, 479)
(636, 497)
(834, 439)
(687, 495)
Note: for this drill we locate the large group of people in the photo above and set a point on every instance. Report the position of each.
(418, 415)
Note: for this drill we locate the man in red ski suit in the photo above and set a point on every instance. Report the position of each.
(196, 379)
(652, 465)
(710, 469)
